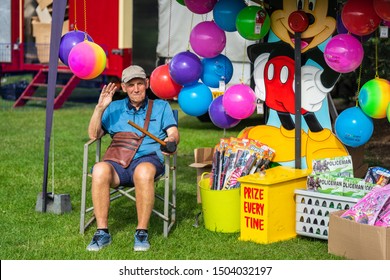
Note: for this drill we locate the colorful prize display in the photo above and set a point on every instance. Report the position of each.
(207, 39)
(359, 17)
(239, 101)
(374, 97)
(185, 68)
(216, 69)
(388, 112)
(353, 127)
(225, 14)
(253, 23)
(343, 53)
(200, 6)
(218, 114)
(68, 41)
(162, 84)
(87, 60)
(195, 99)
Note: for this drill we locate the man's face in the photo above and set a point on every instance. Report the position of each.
(136, 90)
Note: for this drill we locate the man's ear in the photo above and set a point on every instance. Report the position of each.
(123, 85)
(147, 82)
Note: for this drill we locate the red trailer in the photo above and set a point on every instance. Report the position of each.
(25, 39)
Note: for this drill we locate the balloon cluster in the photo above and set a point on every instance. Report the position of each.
(358, 21)
(86, 59)
(190, 74)
(354, 126)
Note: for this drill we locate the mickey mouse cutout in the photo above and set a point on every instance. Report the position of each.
(274, 75)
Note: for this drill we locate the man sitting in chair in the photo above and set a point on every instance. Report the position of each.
(148, 161)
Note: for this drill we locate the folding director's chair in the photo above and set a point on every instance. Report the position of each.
(92, 148)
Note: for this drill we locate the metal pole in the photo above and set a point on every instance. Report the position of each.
(298, 100)
(59, 7)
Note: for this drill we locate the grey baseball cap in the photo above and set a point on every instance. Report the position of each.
(131, 72)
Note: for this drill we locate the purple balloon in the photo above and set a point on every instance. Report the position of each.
(343, 53)
(68, 41)
(218, 114)
(200, 6)
(207, 39)
(185, 68)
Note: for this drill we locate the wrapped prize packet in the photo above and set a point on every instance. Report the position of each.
(372, 209)
(377, 175)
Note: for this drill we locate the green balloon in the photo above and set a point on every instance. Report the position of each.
(388, 112)
(253, 23)
(181, 2)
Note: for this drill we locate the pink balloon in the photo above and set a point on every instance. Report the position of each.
(87, 60)
(239, 101)
(207, 39)
(343, 53)
(200, 6)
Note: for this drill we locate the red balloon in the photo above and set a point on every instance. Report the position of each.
(162, 84)
(382, 8)
(359, 17)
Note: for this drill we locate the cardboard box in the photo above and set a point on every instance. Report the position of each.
(203, 158)
(357, 241)
(42, 32)
(268, 205)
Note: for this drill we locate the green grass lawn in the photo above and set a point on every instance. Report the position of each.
(30, 235)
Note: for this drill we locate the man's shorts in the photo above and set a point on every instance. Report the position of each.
(126, 174)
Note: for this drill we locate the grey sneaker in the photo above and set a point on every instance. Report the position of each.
(100, 240)
(141, 242)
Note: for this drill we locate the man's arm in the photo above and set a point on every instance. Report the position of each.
(95, 129)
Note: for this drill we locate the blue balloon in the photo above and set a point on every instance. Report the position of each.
(216, 69)
(225, 13)
(185, 68)
(195, 99)
(353, 127)
(218, 115)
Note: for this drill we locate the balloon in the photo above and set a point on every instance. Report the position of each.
(185, 68)
(225, 13)
(382, 8)
(359, 17)
(216, 69)
(200, 6)
(253, 23)
(68, 41)
(388, 113)
(87, 60)
(342, 30)
(239, 101)
(161, 83)
(343, 53)
(374, 97)
(195, 99)
(218, 114)
(353, 127)
(181, 2)
(207, 39)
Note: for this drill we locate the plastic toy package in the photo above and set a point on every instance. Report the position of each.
(378, 175)
(372, 209)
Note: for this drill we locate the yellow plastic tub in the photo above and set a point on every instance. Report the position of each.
(221, 208)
